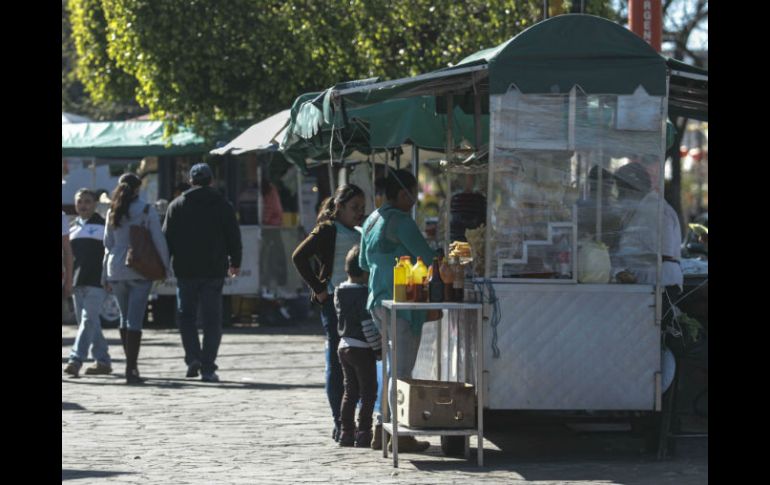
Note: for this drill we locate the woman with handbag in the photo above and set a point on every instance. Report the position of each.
(130, 266)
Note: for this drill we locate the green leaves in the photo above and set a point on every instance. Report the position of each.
(200, 61)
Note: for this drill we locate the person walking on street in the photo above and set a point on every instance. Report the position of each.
(86, 238)
(328, 243)
(204, 242)
(130, 288)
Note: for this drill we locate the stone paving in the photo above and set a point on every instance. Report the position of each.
(268, 421)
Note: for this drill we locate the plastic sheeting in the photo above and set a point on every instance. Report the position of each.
(574, 166)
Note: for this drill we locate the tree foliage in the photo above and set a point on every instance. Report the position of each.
(199, 61)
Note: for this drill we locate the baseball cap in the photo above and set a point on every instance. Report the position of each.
(200, 172)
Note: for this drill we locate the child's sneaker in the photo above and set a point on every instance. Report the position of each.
(347, 439)
(363, 439)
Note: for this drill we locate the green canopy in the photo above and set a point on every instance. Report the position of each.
(375, 127)
(126, 139)
(595, 54)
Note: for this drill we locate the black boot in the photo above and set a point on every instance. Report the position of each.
(133, 342)
(123, 340)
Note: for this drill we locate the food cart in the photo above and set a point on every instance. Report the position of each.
(570, 101)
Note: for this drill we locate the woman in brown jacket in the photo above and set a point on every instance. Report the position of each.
(327, 244)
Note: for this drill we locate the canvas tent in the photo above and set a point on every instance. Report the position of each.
(127, 139)
(260, 136)
(587, 52)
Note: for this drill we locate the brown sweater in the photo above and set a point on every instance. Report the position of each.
(318, 245)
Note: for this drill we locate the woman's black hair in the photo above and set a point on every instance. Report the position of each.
(341, 196)
(126, 191)
(397, 180)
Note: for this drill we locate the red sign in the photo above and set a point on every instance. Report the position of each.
(646, 20)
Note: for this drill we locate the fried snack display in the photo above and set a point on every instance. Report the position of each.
(475, 238)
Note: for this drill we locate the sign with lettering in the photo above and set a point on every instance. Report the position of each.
(645, 20)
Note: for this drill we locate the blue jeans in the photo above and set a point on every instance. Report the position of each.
(88, 302)
(335, 387)
(132, 299)
(206, 293)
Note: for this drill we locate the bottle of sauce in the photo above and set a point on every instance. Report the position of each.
(448, 277)
(406, 261)
(458, 285)
(435, 284)
(400, 280)
(419, 277)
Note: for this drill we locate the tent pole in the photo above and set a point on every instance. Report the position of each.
(449, 123)
(477, 114)
(415, 172)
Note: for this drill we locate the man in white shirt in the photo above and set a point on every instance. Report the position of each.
(639, 238)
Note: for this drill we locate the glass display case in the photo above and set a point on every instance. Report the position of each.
(574, 186)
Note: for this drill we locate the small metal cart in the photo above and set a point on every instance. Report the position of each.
(390, 385)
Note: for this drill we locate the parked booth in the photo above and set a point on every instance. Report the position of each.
(566, 145)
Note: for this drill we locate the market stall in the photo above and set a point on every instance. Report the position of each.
(569, 259)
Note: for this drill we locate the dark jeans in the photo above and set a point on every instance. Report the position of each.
(206, 292)
(334, 379)
(359, 366)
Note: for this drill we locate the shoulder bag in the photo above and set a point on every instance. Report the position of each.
(142, 254)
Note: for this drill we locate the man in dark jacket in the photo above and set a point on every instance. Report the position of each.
(204, 241)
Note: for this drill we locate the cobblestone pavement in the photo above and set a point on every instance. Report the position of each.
(267, 421)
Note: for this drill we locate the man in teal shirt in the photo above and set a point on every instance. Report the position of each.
(388, 233)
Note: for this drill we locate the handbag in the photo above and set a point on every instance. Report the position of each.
(142, 254)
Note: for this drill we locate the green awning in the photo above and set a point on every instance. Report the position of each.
(376, 127)
(127, 139)
(595, 54)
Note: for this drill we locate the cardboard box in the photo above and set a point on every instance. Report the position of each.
(435, 404)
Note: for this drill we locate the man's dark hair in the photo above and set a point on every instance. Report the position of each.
(397, 180)
(87, 192)
(351, 262)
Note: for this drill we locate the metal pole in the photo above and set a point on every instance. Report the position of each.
(416, 173)
(477, 115)
(545, 9)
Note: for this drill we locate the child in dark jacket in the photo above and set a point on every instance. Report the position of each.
(358, 358)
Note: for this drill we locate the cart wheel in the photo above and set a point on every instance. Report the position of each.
(453, 445)
(701, 404)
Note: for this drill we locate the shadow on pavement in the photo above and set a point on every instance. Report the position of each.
(191, 383)
(67, 474)
(71, 406)
(552, 452)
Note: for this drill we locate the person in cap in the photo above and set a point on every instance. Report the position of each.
(637, 249)
(204, 242)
